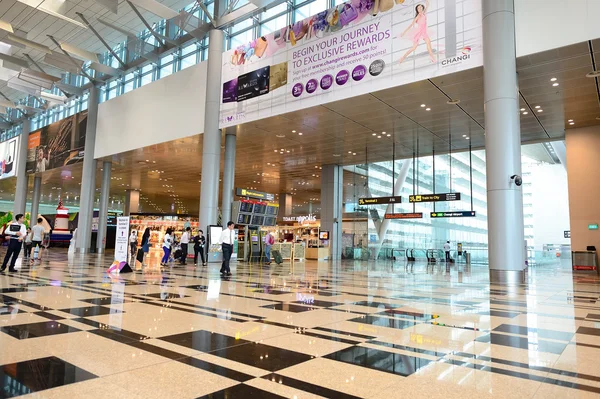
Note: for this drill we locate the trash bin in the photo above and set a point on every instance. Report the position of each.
(467, 257)
(584, 260)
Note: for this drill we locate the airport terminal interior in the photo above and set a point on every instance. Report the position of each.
(299, 198)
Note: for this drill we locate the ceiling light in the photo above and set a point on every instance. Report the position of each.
(427, 109)
(572, 123)
(275, 150)
(300, 134)
(522, 109)
(555, 84)
(293, 131)
(467, 138)
(525, 113)
(537, 107)
(570, 120)
(593, 74)
(280, 135)
(349, 152)
(389, 135)
(382, 132)
(422, 105)
(553, 80)
(378, 137)
(353, 153)
(374, 134)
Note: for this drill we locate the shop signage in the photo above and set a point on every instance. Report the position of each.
(593, 226)
(417, 215)
(353, 48)
(459, 248)
(122, 238)
(434, 197)
(380, 200)
(310, 218)
(459, 214)
(244, 192)
(567, 233)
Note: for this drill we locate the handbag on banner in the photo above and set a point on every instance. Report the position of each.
(348, 14)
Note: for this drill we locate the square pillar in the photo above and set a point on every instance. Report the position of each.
(332, 186)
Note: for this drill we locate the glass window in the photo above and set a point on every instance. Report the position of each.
(242, 39)
(273, 25)
(245, 24)
(147, 78)
(310, 9)
(189, 60)
(165, 71)
(270, 13)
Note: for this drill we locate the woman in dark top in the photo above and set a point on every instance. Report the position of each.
(199, 242)
(145, 244)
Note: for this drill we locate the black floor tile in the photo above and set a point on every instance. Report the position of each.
(91, 311)
(271, 292)
(350, 334)
(380, 360)
(216, 369)
(322, 304)
(409, 315)
(164, 296)
(122, 336)
(9, 309)
(49, 316)
(203, 341)
(263, 356)
(382, 321)
(308, 387)
(105, 300)
(241, 391)
(37, 375)
(523, 343)
(34, 330)
(12, 290)
(289, 307)
(538, 333)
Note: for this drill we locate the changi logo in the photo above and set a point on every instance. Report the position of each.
(234, 118)
(466, 55)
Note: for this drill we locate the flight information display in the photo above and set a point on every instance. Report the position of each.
(270, 221)
(260, 208)
(243, 218)
(258, 220)
(272, 210)
(246, 206)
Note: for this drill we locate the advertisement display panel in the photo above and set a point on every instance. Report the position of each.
(122, 238)
(354, 48)
(8, 157)
(58, 144)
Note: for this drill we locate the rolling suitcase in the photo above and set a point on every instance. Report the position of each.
(277, 256)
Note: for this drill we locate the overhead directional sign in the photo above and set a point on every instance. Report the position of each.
(434, 197)
(458, 214)
(244, 192)
(380, 200)
(417, 215)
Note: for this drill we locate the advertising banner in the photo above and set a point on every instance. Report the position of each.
(9, 150)
(58, 144)
(122, 238)
(357, 47)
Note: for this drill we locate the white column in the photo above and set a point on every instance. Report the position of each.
(35, 200)
(88, 177)
(211, 139)
(332, 186)
(228, 175)
(285, 204)
(132, 202)
(103, 209)
(502, 143)
(21, 170)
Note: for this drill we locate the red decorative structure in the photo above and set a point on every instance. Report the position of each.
(61, 224)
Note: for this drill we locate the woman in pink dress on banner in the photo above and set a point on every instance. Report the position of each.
(419, 32)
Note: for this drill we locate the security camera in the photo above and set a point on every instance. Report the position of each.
(517, 180)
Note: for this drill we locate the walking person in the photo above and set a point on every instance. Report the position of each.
(27, 244)
(17, 232)
(184, 241)
(145, 244)
(447, 250)
(167, 242)
(133, 243)
(37, 232)
(269, 241)
(226, 241)
(199, 242)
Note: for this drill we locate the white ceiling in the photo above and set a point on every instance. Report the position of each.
(38, 24)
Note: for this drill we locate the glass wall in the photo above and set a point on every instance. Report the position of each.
(368, 234)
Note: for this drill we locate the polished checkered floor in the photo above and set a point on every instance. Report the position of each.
(348, 330)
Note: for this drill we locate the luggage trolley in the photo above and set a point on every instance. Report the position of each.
(431, 256)
(410, 256)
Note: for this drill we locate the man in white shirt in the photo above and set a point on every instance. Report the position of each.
(226, 241)
(37, 232)
(17, 232)
(184, 241)
(447, 250)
